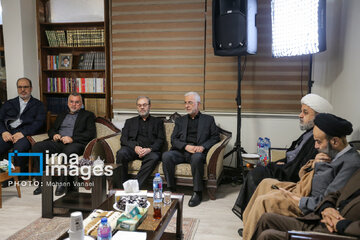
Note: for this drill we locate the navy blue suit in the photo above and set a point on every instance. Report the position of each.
(33, 118)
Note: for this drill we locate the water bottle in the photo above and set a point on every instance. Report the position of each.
(260, 144)
(104, 230)
(267, 145)
(157, 188)
(261, 151)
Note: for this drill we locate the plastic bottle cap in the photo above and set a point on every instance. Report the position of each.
(157, 174)
(104, 220)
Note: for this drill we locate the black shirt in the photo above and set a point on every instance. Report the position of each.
(142, 138)
(191, 137)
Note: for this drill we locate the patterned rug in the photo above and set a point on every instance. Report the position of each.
(51, 229)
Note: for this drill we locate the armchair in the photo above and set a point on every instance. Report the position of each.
(103, 128)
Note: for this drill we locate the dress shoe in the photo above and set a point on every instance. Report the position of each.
(195, 199)
(60, 190)
(37, 191)
(240, 232)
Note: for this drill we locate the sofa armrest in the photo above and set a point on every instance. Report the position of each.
(110, 145)
(215, 155)
(277, 153)
(316, 235)
(37, 138)
(104, 129)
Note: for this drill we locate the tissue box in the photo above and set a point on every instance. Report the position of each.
(92, 222)
(131, 220)
(119, 194)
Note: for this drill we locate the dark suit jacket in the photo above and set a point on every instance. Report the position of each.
(207, 134)
(290, 171)
(84, 128)
(33, 116)
(351, 211)
(156, 133)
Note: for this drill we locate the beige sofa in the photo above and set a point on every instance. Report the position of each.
(213, 169)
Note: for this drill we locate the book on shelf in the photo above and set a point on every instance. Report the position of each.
(96, 105)
(75, 37)
(52, 62)
(80, 85)
(56, 105)
(92, 60)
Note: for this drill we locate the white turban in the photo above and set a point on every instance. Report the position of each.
(317, 103)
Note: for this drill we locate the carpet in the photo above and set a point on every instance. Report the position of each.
(51, 229)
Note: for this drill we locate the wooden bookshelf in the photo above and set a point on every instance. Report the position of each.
(56, 41)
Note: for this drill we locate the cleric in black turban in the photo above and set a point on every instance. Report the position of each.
(332, 125)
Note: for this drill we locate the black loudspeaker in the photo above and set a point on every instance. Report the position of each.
(234, 27)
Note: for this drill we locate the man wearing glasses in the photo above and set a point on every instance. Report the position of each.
(20, 117)
(141, 138)
(71, 132)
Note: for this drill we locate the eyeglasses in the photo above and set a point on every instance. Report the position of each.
(25, 87)
(142, 105)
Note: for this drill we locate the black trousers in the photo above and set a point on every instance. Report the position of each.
(57, 147)
(22, 146)
(173, 157)
(148, 163)
(274, 226)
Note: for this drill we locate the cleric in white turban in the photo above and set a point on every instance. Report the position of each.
(317, 103)
(299, 153)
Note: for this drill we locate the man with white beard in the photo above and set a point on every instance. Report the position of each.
(299, 153)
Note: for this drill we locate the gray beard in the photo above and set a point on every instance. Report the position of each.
(307, 126)
(329, 151)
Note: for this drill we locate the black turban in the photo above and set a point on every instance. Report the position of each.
(332, 125)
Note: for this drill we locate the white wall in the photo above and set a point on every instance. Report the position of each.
(336, 71)
(19, 25)
(345, 90)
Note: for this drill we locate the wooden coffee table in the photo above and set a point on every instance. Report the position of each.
(73, 200)
(5, 176)
(155, 229)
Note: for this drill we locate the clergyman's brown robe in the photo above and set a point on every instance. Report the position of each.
(266, 199)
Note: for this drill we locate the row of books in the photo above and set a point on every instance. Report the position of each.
(92, 60)
(57, 105)
(52, 62)
(80, 85)
(75, 37)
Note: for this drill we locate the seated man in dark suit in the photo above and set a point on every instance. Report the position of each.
(299, 153)
(194, 134)
(141, 138)
(339, 212)
(71, 132)
(20, 117)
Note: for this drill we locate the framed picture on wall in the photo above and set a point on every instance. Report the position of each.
(65, 60)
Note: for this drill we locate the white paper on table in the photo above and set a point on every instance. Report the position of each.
(129, 235)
